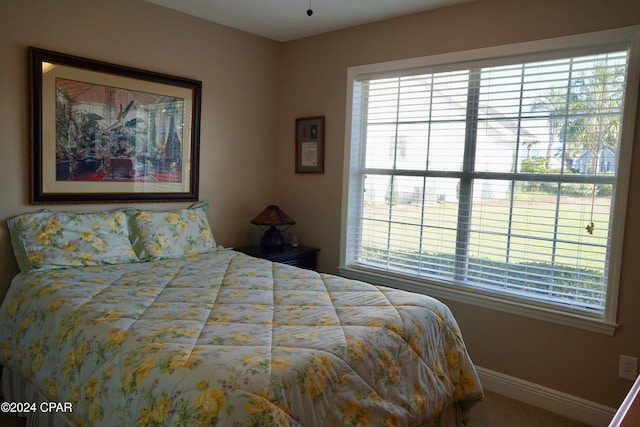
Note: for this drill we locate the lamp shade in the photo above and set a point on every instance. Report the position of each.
(272, 216)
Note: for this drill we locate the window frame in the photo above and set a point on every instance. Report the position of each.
(627, 37)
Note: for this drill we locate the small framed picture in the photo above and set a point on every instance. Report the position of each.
(310, 145)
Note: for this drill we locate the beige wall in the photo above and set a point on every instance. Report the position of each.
(313, 80)
(253, 89)
(239, 73)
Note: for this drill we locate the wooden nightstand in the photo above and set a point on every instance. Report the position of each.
(300, 256)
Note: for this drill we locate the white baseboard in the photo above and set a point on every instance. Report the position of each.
(569, 406)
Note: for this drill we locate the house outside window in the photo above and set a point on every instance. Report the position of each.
(496, 177)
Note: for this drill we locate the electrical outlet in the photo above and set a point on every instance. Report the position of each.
(628, 367)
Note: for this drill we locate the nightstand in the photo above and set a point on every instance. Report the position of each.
(300, 256)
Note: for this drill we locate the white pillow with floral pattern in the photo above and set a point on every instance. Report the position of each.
(51, 240)
(175, 233)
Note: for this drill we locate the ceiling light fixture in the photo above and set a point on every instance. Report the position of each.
(309, 11)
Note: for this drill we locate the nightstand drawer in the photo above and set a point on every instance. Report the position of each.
(301, 256)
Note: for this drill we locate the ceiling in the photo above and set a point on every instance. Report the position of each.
(286, 20)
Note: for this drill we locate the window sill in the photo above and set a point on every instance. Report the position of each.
(480, 299)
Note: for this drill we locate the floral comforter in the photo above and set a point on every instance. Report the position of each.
(226, 339)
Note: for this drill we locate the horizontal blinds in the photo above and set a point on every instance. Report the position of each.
(490, 57)
(492, 177)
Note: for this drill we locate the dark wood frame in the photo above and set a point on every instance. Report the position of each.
(310, 145)
(49, 149)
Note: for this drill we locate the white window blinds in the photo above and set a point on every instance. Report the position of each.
(498, 178)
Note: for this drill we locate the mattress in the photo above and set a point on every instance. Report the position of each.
(222, 338)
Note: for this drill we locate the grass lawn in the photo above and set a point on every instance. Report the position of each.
(517, 244)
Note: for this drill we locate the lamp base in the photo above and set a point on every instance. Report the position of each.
(272, 238)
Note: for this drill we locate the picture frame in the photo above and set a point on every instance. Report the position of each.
(102, 132)
(310, 144)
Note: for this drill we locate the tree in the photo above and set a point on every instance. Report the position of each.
(587, 116)
(555, 103)
(595, 105)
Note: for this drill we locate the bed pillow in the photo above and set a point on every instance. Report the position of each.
(47, 240)
(175, 233)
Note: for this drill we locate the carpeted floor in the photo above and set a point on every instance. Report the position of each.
(500, 411)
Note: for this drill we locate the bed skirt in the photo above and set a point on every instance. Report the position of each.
(14, 389)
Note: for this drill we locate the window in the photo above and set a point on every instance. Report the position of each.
(497, 176)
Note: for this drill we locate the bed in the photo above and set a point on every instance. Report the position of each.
(171, 329)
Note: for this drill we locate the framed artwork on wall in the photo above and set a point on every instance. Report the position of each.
(310, 145)
(102, 132)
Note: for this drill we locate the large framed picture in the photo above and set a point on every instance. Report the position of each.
(108, 133)
(310, 145)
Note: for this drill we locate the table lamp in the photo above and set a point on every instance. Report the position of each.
(273, 217)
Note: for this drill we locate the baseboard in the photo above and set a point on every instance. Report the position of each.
(573, 407)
